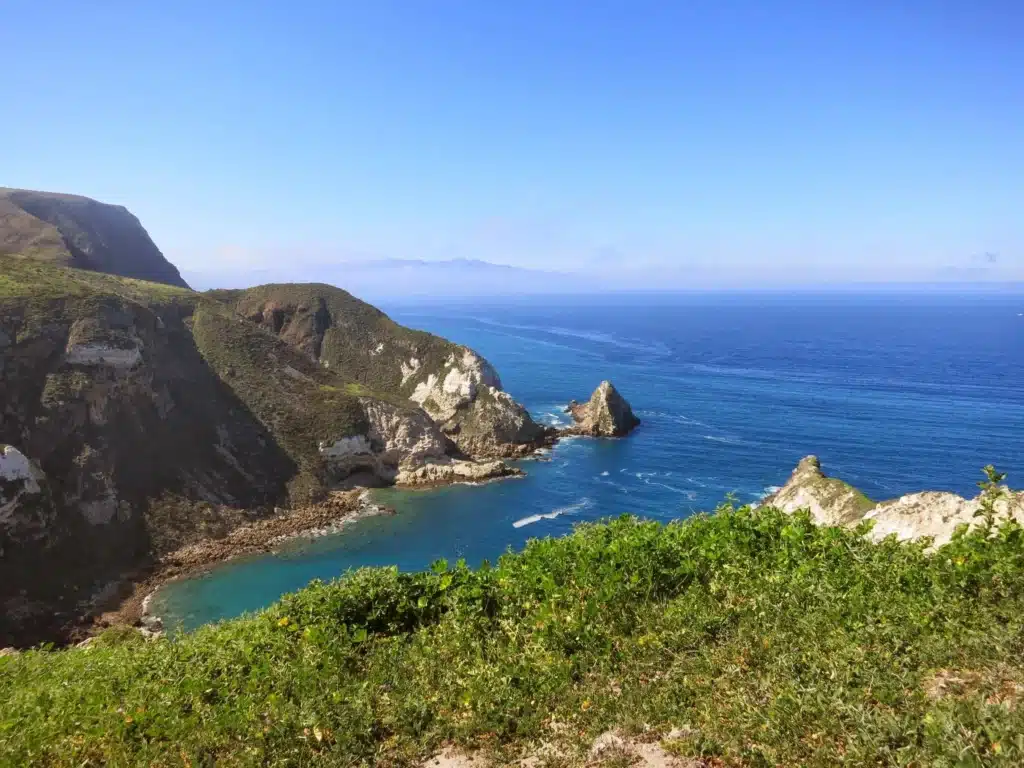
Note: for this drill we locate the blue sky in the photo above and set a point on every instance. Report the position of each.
(675, 143)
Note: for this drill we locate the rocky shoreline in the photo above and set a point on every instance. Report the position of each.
(606, 414)
(133, 609)
(127, 600)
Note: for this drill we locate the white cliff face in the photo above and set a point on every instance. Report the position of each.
(406, 447)
(18, 479)
(936, 514)
(101, 354)
(345, 447)
(396, 438)
(466, 400)
(458, 385)
(402, 436)
(353, 453)
(931, 514)
(409, 369)
(26, 513)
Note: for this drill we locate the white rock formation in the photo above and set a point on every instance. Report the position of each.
(405, 446)
(830, 501)
(403, 437)
(934, 514)
(441, 471)
(101, 354)
(19, 478)
(466, 400)
(442, 396)
(409, 369)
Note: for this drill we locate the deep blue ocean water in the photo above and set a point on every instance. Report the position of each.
(895, 393)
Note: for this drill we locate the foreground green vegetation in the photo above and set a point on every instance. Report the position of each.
(765, 639)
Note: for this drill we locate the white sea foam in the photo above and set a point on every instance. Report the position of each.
(721, 439)
(648, 478)
(678, 418)
(556, 418)
(568, 510)
(656, 348)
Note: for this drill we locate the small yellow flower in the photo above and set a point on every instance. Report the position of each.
(585, 705)
(283, 622)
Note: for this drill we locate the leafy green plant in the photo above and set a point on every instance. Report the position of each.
(992, 490)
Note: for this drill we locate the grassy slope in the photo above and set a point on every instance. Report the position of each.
(299, 410)
(356, 330)
(769, 640)
(24, 278)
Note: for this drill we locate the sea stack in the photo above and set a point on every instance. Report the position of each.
(606, 414)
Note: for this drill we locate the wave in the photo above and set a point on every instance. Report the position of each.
(598, 337)
(568, 510)
(726, 440)
(552, 415)
(543, 343)
(612, 484)
(647, 478)
(678, 418)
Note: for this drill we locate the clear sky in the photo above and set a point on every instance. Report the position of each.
(684, 142)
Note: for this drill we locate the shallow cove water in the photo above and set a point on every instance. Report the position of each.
(895, 393)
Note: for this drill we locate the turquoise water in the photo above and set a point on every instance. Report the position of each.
(895, 393)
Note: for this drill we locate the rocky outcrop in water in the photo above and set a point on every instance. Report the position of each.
(606, 414)
(933, 514)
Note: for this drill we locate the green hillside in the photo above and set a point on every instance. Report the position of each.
(158, 416)
(743, 638)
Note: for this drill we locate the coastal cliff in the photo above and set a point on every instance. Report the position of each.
(140, 417)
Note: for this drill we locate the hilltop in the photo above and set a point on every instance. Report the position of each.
(75, 231)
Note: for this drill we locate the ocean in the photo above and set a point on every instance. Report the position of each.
(894, 392)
